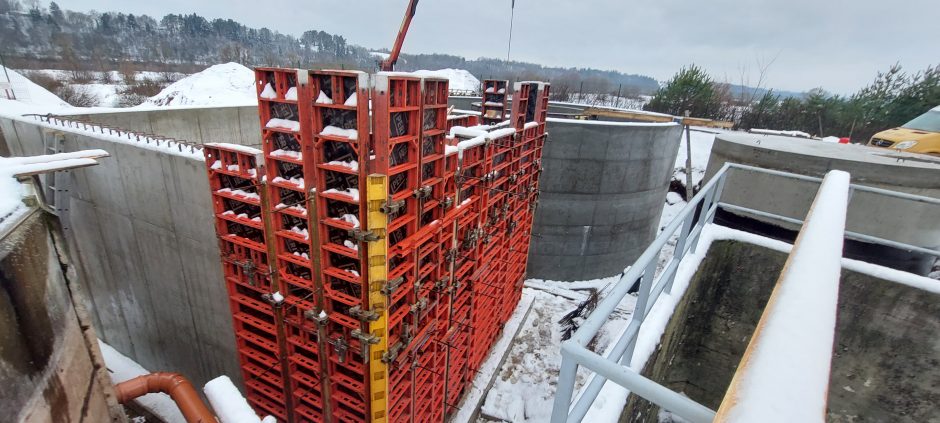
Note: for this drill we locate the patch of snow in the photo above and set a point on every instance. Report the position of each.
(323, 98)
(275, 123)
(268, 92)
(296, 155)
(28, 92)
(352, 100)
(227, 84)
(459, 79)
(297, 181)
(277, 297)
(291, 94)
(331, 130)
(798, 324)
(352, 192)
(352, 164)
(351, 219)
(830, 139)
(122, 368)
(800, 134)
(351, 245)
(227, 402)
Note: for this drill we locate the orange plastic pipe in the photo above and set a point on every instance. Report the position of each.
(173, 384)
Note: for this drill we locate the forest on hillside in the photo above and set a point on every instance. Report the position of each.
(50, 37)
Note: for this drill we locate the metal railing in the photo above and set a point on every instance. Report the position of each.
(807, 291)
(687, 226)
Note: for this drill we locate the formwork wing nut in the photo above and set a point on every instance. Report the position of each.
(391, 207)
(366, 338)
(363, 236)
(392, 285)
(364, 315)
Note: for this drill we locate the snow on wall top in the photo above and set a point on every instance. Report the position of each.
(28, 92)
(788, 359)
(219, 85)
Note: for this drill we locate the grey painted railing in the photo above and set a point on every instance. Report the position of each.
(688, 226)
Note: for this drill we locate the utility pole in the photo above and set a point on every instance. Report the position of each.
(688, 160)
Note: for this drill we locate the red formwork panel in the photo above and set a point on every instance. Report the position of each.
(238, 208)
(493, 103)
(291, 223)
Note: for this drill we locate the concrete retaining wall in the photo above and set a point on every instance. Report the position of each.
(884, 362)
(50, 367)
(143, 237)
(601, 196)
(236, 125)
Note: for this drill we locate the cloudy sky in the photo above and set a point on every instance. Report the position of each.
(837, 44)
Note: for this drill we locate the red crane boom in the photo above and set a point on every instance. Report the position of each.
(389, 63)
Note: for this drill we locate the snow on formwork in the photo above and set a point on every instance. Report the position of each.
(226, 84)
(11, 197)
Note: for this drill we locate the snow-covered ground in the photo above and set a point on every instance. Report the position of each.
(460, 80)
(226, 84)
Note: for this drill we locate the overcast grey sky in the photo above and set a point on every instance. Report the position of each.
(839, 45)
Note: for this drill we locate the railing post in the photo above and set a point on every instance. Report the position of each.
(565, 387)
(716, 199)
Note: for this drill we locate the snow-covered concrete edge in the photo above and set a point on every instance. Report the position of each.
(488, 371)
(162, 146)
(612, 398)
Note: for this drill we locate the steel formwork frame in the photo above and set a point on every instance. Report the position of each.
(370, 258)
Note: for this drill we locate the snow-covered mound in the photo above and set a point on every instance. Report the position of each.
(28, 92)
(229, 84)
(460, 79)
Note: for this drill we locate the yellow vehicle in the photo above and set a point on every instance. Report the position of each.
(920, 135)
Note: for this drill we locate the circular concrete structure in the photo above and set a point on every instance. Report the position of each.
(601, 196)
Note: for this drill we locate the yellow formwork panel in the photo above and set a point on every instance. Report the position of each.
(377, 222)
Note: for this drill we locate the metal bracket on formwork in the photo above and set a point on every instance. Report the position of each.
(365, 316)
(340, 346)
(441, 283)
(446, 202)
(319, 317)
(451, 254)
(392, 285)
(419, 305)
(392, 352)
(391, 207)
(249, 268)
(378, 209)
(363, 236)
(423, 192)
(366, 338)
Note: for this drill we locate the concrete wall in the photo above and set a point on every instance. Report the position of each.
(50, 366)
(143, 236)
(877, 215)
(554, 108)
(237, 125)
(601, 196)
(884, 365)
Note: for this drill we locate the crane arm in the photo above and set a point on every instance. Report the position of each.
(389, 63)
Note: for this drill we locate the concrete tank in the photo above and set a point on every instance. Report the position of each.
(601, 196)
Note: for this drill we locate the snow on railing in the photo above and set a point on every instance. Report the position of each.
(622, 362)
(798, 325)
(125, 135)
